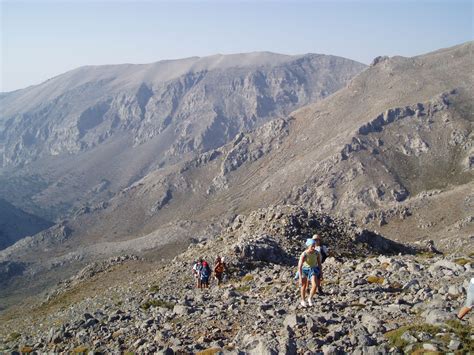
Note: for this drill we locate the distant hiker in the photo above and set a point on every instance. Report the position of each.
(324, 253)
(469, 301)
(204, 274)
(309, 268)
(196, 272)
(219, 268)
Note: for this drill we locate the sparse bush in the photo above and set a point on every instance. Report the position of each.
(464, 333)
(80, 350)
(13, 336)
(26, 349)
(243, 289)
(154, 288)
(426, 255)
(394, 336)
(210, 351)
(462, 261)
(156, 303)
(375, 280)
(247, 278)
(460, 330)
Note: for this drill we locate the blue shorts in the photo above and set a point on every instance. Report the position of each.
(309, 272)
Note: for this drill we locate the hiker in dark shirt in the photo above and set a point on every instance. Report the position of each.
(204, 274)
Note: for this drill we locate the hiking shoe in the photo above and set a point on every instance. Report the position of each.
(303, 304)
(310, 303)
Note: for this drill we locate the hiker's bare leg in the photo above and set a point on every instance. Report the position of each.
(304, 285)
(463, 311)
(314, 281)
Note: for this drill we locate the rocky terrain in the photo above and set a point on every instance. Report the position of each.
(379, 157)
(79, 138)
(379, 297)
(391, 151)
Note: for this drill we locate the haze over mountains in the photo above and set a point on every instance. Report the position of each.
(159, 154)
(82, 136)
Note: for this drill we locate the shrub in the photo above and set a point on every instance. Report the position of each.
(247, 278)
(426, 255)
(394, 336)
(375, 280)
(462, 261)
(80, 350)
(156, 303)
(13, 336)
(154, 288)
(26, 349)
(210, 351)
(243, 289)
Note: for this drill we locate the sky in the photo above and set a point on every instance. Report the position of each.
(41, 39)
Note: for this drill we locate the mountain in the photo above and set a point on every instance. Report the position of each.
(391, 151)
(77, 139)
(16, 224)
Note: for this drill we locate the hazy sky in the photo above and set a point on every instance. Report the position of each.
(42, 39)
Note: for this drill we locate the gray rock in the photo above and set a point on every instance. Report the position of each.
(139, 342)
(454, 344)
(455, 290)
(413, 284)
(90, 323)
(291, 320)
(436, 316)
(331, 350)
(263, 348)
(180, 310)
(430, 347)
(408, 338)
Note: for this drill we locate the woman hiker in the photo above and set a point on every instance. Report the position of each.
(309, 268)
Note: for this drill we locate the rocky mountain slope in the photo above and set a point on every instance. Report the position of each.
(16, 224)
(379, 297)
(78, 138)
(391, 151)
(397, 139)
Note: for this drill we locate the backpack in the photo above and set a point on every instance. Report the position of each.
(324, 254)
(205, 271)
(219, 268)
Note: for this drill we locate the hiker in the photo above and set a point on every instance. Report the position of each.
(204, 274)
(469, 301)
(197, 271)
(219, 268)
(309, 268)
(324, 253)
